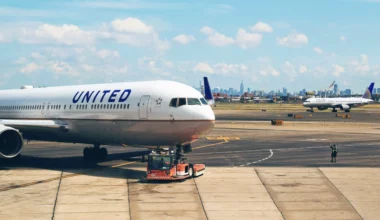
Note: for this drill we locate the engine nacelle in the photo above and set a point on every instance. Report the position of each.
(322, 108)
(344, 107)
(11, 142)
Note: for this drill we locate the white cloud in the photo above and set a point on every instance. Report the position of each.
(131, 25)
(104, 54)
(66, 34)
(87, 67)
(293, 40)
(342, 38)
(227, 69)
(220, 9)
(203, 67)
(290, 70)
(21, 60)
(303, 69)
(183, 39)
(156, 66)
(30, 68)
(215, 38)
(264, 59)
(262, 27)
(318, 50)
(2, 38)
(207, 30)
(247, 40)
(269, 70)
(337, 70)
(361, 66)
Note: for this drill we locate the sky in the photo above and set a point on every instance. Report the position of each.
(267, 44)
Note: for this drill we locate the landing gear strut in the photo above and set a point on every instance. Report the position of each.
(334, 110)
(95, 153)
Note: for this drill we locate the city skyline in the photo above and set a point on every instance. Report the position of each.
(269, 45)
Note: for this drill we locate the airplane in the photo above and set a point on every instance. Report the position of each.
(138, 114)
(342, 103)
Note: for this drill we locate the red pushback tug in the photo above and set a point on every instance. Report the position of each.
(165, 165)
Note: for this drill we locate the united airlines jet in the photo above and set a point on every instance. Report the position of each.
(340, 103)
(138, 114)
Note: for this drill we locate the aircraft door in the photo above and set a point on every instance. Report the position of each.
(143, 107)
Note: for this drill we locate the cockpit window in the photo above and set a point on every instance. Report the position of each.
(193, 101)
(182, 101)
(173, 102)
(204, 102)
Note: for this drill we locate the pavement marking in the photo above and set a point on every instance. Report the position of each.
(61, 177)
(122, 164)
(221, 138)
(258, 161)
(209, 145)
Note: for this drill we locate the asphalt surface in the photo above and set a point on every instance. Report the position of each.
(243, 115)
(254, 148)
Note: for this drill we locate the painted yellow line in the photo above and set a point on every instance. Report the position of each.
(209, 145)
(222, 138)
(123, 164)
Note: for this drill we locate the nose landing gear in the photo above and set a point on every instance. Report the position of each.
(95, 153)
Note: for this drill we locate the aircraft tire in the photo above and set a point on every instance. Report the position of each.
(103, 153)
(191, 171)
(87, 153)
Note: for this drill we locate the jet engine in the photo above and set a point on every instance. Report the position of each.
(11, 142)
(322, 108)
(344, 107)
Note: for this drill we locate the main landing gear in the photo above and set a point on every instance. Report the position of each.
(95, 153)
(334, 110)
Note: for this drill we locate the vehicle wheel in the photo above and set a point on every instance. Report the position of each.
(103, 153)
(191, 171)
(86, 153)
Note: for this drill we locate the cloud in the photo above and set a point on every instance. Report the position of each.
(87, 67)
(247, 40)
(220, 9)
(293, 40)
(262, 27)
(361, 65)
(337, 70)
(156, 66)
(66, 34)
(203, 67)
(104, 54)
(230, 69)
(290, 70)
(129, 5)
(342, 38)
(183, 39)
(3, 39)
(30, 68)
(318, 50)
(264, 59)
(215, 38)
(269, 70)
(131, 25)
(303, 69)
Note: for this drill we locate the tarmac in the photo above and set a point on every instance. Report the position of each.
(253, 171)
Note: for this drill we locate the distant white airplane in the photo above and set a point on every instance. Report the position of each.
(138, 114)
(342, 103)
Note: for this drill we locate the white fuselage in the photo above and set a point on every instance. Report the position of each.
(336, 102)
(134, 113)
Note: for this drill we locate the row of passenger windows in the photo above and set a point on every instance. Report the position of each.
(176, 102)
(57, 107)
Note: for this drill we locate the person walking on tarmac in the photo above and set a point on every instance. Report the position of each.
(334, 152)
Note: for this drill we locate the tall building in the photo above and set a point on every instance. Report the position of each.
(249, 90)
(241, 88)
(284, 92)
(336, 89)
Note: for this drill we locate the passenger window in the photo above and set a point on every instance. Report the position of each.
(173, 102)
(181, 101)
(193, 101)
(128, 106)
(204, 102)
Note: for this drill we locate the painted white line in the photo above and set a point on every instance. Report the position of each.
(258, 161)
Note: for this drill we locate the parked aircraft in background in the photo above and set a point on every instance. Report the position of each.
(340, 103)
